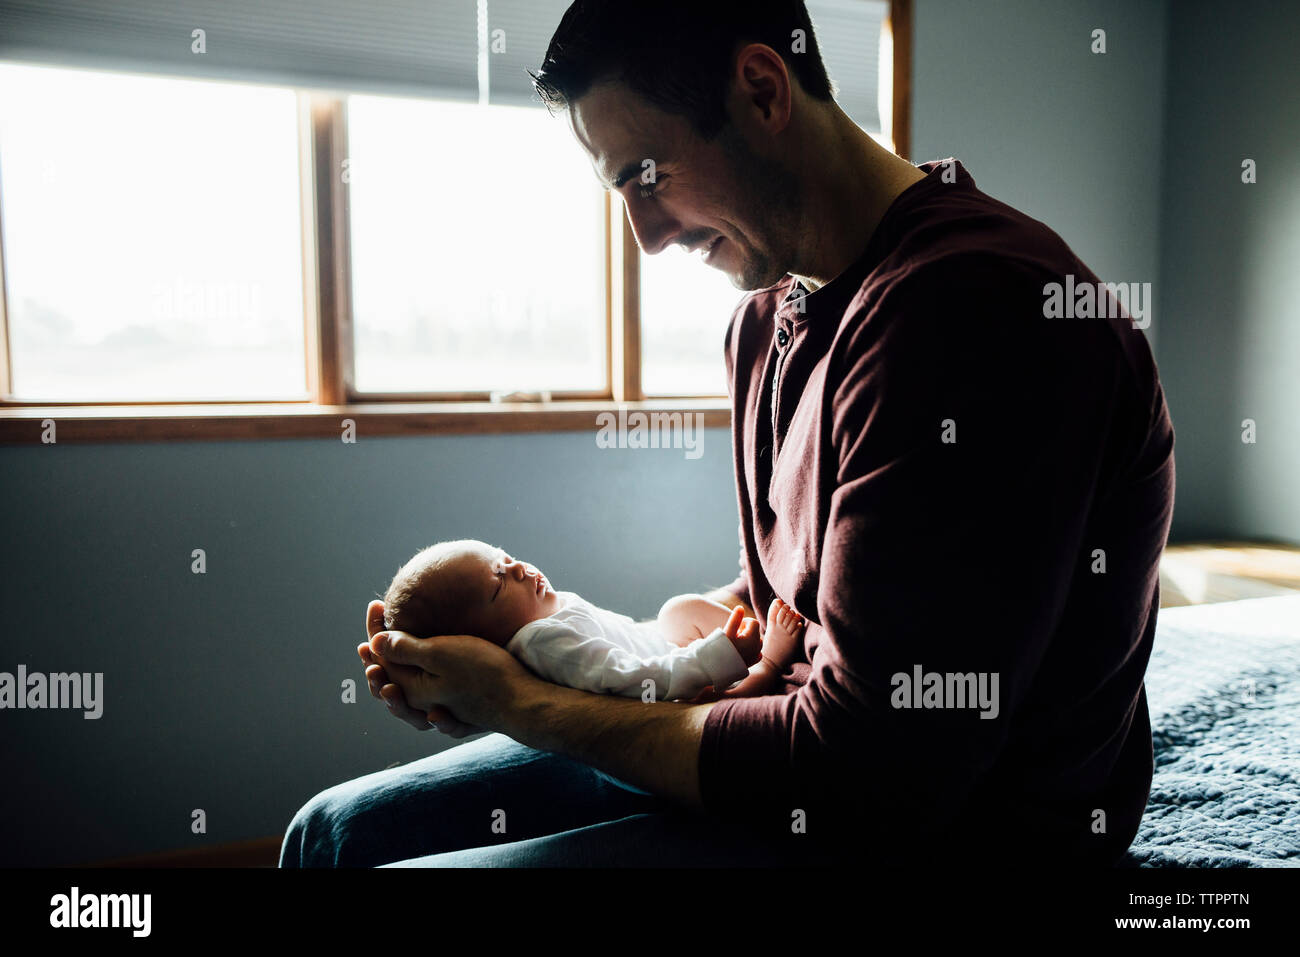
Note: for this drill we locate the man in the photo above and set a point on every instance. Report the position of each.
(966, 500)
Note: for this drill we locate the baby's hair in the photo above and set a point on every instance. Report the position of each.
(425, 597)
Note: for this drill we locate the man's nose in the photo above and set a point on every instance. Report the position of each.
(652, 229)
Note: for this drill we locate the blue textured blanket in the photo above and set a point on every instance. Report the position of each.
(1223, 687)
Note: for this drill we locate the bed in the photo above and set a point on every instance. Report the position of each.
(1223, 687)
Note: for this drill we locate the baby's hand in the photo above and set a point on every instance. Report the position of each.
(743, 633)
(785, 628)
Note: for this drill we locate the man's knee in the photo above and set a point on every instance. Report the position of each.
(374, 819)
(320, 834)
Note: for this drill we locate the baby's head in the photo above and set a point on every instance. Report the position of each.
(467, 587)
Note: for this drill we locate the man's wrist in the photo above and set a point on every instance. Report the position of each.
(523, 715)
(654, 746)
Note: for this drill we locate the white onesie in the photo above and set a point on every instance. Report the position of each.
(593, 649)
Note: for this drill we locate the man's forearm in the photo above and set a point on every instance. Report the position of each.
(653, 746)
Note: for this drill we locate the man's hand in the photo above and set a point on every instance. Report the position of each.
(461, 677)
(466, 678)
(391, 675)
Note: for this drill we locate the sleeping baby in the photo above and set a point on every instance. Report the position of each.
(471, 588)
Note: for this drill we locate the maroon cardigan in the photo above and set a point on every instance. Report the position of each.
(941, 479)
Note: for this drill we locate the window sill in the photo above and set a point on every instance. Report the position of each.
(26, 425)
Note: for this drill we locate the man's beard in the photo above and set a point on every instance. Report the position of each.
(768, 193)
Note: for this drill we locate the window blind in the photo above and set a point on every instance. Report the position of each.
(526, 27)
(408, 47)
(452, 49)
(848, 33)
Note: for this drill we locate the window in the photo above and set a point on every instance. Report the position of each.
(685, 308)
(152, 238)
(285, 225)
(473, 270)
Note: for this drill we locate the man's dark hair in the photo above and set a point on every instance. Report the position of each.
(678, 54)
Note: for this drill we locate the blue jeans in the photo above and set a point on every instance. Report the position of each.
(493, 802)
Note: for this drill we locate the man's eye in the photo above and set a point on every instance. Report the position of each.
(651, 190)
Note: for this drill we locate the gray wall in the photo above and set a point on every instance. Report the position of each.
(222, 690)
(1134, 158)
(1230, 268)
(1012, 89)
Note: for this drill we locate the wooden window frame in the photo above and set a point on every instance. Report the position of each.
(331, 398)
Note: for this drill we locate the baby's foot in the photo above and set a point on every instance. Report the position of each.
(785, 628)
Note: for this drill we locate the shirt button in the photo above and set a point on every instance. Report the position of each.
(782, 337)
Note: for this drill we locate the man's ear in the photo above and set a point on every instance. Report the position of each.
(762, 85)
